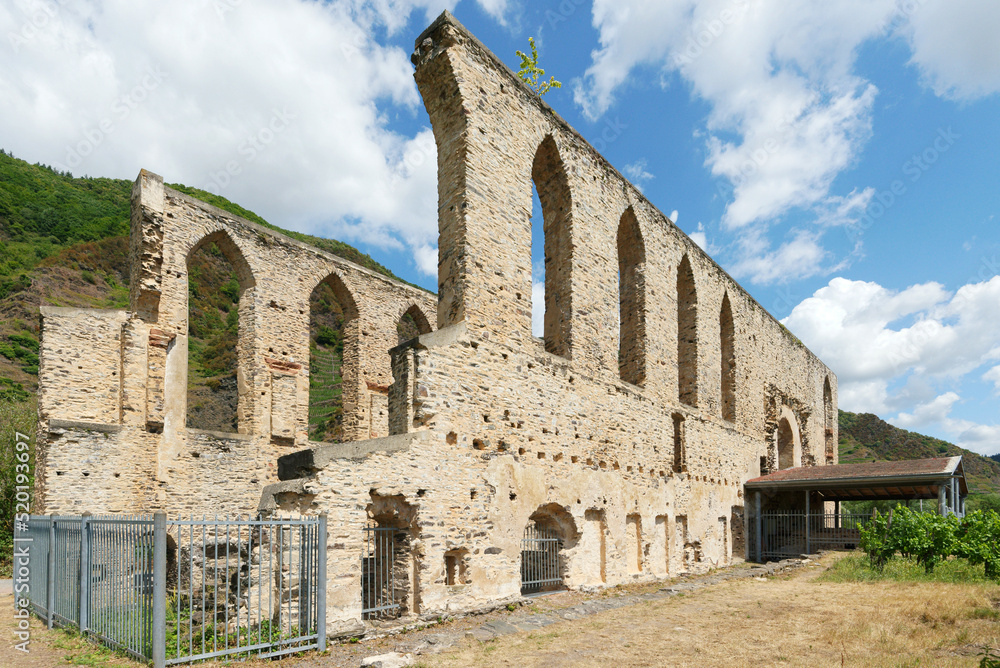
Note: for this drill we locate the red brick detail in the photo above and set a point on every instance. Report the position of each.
(282, 366)
(375, 387)
(160, 339)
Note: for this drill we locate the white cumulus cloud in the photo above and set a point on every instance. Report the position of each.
(954, 46)
(891, 348)
(788, 112)
(276, 104)
(993, 376)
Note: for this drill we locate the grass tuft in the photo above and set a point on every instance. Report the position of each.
(857, 568)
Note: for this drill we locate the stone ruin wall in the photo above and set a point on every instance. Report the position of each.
(638, 464)
(113, 384)
(493, 428)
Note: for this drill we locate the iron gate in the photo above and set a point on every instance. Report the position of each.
(783, 534)
(378, 573)
(540, 563)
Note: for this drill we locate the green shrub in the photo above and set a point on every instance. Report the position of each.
(978, 540)
(929, 539)
(25, 341)
(327, 336)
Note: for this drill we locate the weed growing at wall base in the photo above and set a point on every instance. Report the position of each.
(857, 567)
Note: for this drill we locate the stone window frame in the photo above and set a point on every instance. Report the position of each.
(551, 182)
(246, 306)
(687, 334)
(631, 300)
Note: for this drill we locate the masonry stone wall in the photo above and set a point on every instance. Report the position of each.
(628, 430)
(123, 374)
(659, 387)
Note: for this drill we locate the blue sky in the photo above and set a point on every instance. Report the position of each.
(838, 159)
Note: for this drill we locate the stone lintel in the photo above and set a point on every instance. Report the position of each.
(304, 462)
(77, 425)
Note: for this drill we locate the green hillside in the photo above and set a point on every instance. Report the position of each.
(64, 242)
(865, 437)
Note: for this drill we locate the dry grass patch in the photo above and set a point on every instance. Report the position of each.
(795, 620)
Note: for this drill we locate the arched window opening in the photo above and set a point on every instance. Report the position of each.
(412, 324)
(687, 335)
(786, 445)
(550, 249)
(828, 421)
(728, 355)
(549, 534)
(631, 300)
(218, 276)
(332, 341)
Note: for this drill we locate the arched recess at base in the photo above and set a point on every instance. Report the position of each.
(390, 569)
(549, 535)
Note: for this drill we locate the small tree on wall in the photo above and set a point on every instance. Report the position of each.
(532, 74)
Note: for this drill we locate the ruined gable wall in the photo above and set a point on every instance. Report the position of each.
(141, 414)
(492, 425)
(487, 187)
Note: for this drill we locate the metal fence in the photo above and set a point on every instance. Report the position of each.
(382, 555)
(540, 564)
(88, 572)
(781, 534)
(181, 590)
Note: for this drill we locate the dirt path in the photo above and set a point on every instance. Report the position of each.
(726, 619)
(48, 648)
(790, 620)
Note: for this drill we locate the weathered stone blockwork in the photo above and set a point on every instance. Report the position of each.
(123, 375)
(627, 432)
(659, 388)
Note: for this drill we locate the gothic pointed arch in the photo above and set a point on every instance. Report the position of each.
(219, 335)
(548, 174)
(412, 323)
(631, 300)
(334, 362)
(727, 349)
(687, 334)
